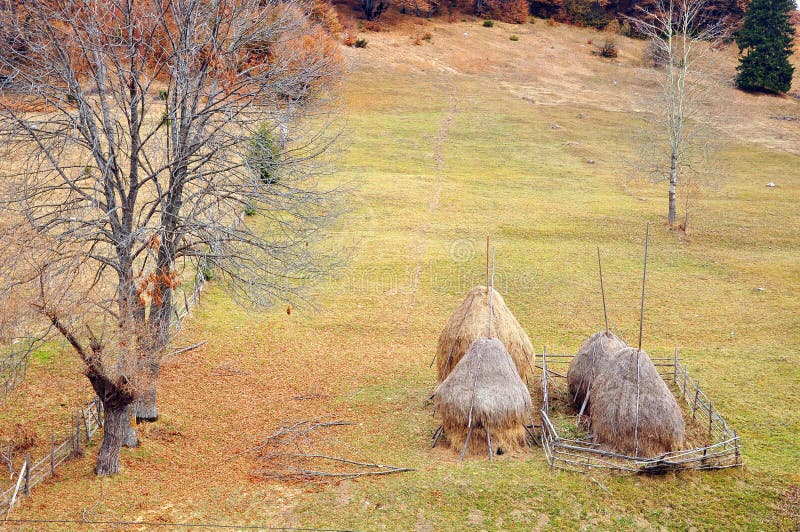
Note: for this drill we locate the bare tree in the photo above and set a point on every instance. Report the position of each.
(680, 33)
(134, 136)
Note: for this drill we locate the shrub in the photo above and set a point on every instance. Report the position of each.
(613, 27)
(609, 48)
(511, 11)
(489, 23)
(372, 25)
(589, 13)
(513, 38)
(263, 154)
(626, 30)
(551, 22)
(349, 39)
(654, 56)
(249, 210)
(22, 438)
(163, 94)
(360, 43)
(427, 36)
(208, 273)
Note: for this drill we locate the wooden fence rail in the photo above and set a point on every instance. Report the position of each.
(722, 452)
(86, 423)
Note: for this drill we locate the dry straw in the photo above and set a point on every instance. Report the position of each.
(641, 420)
(593, 357)
(469, 322)
(483, 403)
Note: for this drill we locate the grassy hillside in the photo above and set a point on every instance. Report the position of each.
(527, 141)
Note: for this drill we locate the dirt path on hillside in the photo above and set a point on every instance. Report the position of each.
(419, 241)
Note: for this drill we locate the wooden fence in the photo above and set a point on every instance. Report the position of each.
(87, 421)
(583, 454)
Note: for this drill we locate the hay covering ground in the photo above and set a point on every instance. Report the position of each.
(592, 358)
(613, 416)
(470, 321)
(486, 383)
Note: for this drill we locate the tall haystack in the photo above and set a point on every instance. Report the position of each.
(615, 408)
(470, 322)
(485, 400)
(592, 358)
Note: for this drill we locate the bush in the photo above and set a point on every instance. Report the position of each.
(655, 56)
(488, 23)
(360, 43)
(626, 30)
(609, 48)
(249, 210)
(511, 11)
(613, 27)
(513, 38)
(263, 154)
(208, 273)
(163, 94)
(590, 13)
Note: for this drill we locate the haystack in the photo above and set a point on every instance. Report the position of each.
(592, 358)
(485, 388)
(614, 408)
(470, 322)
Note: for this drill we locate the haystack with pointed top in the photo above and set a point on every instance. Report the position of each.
(593, 356)
(643, 420)
(470, 321)
(484, 402)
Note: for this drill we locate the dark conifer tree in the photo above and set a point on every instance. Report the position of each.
(765, 45)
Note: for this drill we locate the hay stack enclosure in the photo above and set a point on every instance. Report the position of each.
(614, 408)
(470, 321)
(592, 358)
(486, 384)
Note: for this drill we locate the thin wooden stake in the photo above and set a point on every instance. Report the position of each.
(52, 455)
(675, 365)
(694, 407)
(602, 288)
(489, 444)
(644, 279)
(85, 425)
(487, 260)
(491, 297)
(28, 473)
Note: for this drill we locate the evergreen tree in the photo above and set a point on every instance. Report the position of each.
(765, 44)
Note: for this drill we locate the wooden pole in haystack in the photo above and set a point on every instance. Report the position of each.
(602, 288)
(644, 279)
(638, 350)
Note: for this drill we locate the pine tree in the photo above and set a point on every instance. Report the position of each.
(765, 44)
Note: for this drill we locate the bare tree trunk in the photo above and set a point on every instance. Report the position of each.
(146, 406)
(117, 431)
(673, 187)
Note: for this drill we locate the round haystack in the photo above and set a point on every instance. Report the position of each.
(470, 321)
(592, 358)
(486, 387)
(614, 408)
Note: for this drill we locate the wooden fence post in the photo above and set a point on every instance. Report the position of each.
(77, 435)
(52, 455)
(675, 367)
(694, 407)
(85, 425)
(710, 417)
(28, 473)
